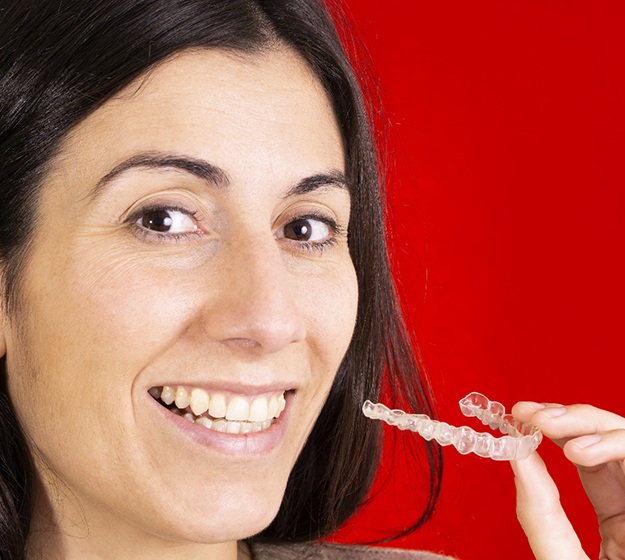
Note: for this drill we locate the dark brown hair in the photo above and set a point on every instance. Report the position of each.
(62, 59)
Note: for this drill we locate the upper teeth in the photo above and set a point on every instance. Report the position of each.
(235, 408)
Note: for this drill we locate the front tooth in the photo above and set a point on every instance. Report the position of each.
(272, 407)
(217, 408)
(206, 422)
(238, 409)
(168, 395)
(233, 427)
(220, 425)
(182, 398)
(199, 401)
(259, 410)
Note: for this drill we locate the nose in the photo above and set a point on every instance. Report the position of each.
(255, 306)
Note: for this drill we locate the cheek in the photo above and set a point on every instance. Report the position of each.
(86, 334)
(331, 306)
(122, 312)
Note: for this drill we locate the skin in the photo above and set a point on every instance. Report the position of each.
(592, 439)
(229, 299)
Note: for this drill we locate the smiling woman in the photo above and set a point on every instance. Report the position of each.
(196, 295)
(171, 278)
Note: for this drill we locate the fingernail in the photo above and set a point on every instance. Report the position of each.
(554, 411)
(533, 405)
(586, 441)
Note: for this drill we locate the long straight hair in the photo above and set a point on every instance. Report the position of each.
(62, 59)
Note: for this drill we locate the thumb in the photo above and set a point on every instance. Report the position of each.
(540, 513)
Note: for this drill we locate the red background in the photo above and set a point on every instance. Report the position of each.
(506, 186)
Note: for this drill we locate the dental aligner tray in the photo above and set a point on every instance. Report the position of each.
(520, 440)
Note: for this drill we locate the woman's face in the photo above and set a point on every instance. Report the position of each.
(192, 235)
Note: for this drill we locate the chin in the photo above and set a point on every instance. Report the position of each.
(233, 515)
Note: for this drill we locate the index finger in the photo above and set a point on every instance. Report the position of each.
(560, 423)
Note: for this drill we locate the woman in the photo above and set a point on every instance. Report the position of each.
(195, 286)
(181, 178)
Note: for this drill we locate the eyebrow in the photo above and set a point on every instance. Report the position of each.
(198, 167)
(212, 174)
(331, 179)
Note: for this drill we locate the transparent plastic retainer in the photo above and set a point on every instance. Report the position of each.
(520, 440)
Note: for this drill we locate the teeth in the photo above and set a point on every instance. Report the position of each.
(281, 404)
(259, 410)
(182, 398)
(168, 395)
(199, 401)
(272, 411)
(237, 414)
(238, 409)
(206, 422)
(220, 425)
(217, 408)
(233, 427)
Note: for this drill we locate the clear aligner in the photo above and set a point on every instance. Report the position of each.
(519, 441)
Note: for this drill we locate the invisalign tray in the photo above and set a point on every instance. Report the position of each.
(521, 439)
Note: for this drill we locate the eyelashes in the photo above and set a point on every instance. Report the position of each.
(165, 223)
(311, 232)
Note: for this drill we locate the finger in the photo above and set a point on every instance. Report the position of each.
(593, 450)
(524, 410)
(540, 513)
(599, 458)
(561, 423)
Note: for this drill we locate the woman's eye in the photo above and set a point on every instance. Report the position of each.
(306, 229)
(167, 221)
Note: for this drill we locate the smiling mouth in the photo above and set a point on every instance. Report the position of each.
(231, 414)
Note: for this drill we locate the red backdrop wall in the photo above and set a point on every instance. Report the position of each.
(507, 191)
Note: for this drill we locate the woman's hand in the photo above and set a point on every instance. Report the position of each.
(594, 440)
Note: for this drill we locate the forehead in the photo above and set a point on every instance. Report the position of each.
(245, 112)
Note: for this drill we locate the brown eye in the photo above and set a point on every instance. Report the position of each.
(165, 220)
(157, 220)
(306, 229)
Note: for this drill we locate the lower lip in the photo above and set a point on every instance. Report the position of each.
(253, 444)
